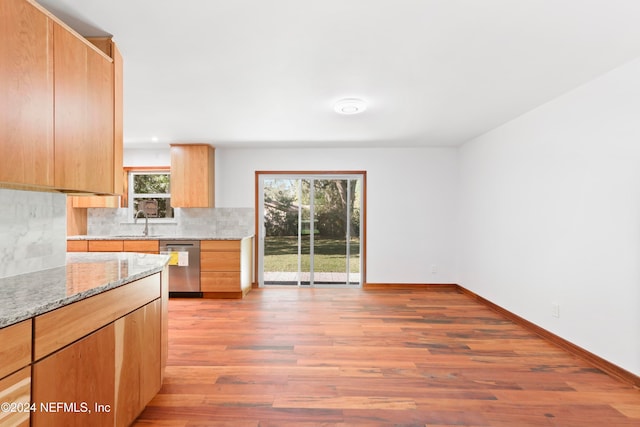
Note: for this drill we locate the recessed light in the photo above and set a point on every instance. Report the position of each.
(154, 139)
(350, 106)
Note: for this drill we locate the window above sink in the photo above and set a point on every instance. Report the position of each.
(149, 191)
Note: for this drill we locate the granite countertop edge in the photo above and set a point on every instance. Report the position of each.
(44, 291)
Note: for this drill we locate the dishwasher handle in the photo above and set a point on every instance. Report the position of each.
(180, 244)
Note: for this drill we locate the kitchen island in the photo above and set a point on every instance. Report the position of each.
(90, 336)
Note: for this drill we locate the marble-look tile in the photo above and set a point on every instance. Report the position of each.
(191, 222)
(33, 231)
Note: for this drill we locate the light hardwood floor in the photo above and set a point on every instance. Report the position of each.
(334, 357)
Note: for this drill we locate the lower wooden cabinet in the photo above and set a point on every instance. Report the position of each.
(98, 361)
(77, 384)
(225, 268)
(15, 373)
(77, 246)
(142, 246)
(15, 350)
(105, 378)
(15, 390)
(138, 361)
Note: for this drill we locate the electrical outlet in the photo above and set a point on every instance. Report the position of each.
(555, 309)
(434, 269)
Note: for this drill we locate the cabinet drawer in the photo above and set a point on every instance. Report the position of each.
(220, 261)
(16, 389)
(15, 351)
(211, 281)
(152, 246)
(77, 246)
(67, 324)
(105, 246)
(220, 245)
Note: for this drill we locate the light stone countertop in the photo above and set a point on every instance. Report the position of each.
(154, 237)
(84, 275)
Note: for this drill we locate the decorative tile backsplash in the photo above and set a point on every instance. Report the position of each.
(191, 222)
(33, 229)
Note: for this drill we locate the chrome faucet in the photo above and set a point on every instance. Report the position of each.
(146, 221)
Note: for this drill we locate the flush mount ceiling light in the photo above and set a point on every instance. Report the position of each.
(350, 106)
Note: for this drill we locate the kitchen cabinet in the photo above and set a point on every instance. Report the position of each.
(77, 246)
(61, 99)
(16, 390)
(104, 352)
(15, 352)
(84, 144)
(15, 372)
(95, 201)
(26, 94)
(225, 268)
(138, 361)
(106, 246)
(192, 176)
(142, 246)
(109, 48)
(115, 370)
(82, 376)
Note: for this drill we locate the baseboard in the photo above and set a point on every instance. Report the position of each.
(222, 295)
(426, 286)
(597, 361)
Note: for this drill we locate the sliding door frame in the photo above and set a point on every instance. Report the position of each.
(363, 226)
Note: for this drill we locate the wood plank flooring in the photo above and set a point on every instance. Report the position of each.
(350, 357)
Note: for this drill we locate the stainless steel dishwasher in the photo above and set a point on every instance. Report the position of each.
(184, 266)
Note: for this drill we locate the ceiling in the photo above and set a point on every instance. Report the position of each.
(266, 73)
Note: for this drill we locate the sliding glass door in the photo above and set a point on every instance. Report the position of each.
(310, 230)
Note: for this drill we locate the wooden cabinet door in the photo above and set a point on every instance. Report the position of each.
(138, 361)
(16, 389)
(192, 176)
(83, 115)
(81, 375)
(15, 351)
(26, 94)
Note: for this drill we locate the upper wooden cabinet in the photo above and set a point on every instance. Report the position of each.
(107, 45)
(26, 94)
(83, 115)
(61, 104)
(192, 176)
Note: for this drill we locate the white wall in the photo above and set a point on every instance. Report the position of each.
(410, 200)
(550, 212)
(145, 157)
